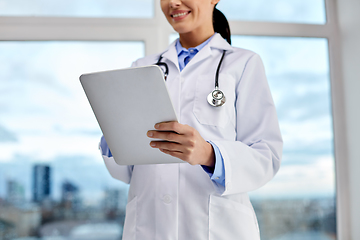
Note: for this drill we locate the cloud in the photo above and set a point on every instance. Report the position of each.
(7, 136)
(312, 180)
(301, 96)
(47, 146)
(42, 101)
(308, 137)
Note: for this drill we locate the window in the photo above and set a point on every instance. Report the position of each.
(49, 138)
(290, 11)
(298, 74)
(44, 48)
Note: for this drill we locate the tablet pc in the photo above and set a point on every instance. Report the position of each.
(127, 103)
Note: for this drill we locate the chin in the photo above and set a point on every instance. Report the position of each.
(180, 27)
(181, 30)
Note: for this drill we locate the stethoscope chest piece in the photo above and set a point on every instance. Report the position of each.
(216, 98)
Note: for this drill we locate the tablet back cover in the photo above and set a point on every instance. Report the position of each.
(127, 103)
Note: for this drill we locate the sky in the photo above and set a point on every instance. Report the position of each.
(46, 118)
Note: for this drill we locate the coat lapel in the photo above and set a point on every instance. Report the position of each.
(219, 42)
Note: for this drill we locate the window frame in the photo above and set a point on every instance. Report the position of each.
(154, 32)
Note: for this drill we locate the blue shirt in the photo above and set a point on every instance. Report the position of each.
(217, 174)
(185, 55)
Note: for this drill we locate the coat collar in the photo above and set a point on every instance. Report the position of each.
(217, 42)
(171, 54)
(220, 43)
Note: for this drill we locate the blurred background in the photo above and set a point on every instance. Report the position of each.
(53, 183)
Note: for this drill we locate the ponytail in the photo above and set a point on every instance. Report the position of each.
(221, 25)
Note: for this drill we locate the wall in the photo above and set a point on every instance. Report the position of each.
(349, 26)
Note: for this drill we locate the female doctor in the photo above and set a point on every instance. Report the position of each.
(228, 147)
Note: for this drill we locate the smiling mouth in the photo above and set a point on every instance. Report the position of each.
(180, 14)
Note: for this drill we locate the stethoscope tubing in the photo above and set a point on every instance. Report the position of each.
(218, 70)
(159, 63)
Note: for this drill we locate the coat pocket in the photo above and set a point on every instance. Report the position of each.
(129, 232)
(230, 220)
(207, 114)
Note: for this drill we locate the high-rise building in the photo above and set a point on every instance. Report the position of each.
(15, 192)
(70, 195)
(41, 183)
(111, 203)
(111, 199)
(68, 191)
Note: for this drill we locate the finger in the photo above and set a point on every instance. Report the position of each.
(170, 146)
(173, 153)
(176, 127)
(173, 147)
(165, 135)
(170, 126)
(176, 154)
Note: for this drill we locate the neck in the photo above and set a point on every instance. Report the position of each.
(194, 39)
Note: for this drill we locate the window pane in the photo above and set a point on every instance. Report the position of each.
(78, 8)
(295, 11)
(299, 203)
(52, 176)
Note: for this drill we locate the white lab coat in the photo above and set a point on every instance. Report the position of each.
(180, 201)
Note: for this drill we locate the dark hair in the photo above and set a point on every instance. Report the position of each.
(221, 25)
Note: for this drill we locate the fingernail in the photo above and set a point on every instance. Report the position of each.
(150, 134)
(157, 126)
(152, 144)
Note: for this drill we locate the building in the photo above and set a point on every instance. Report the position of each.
(81, 230)
(15, 193)
(19, 221)
(293, 218)
(7, 230)
(111, 199)
(70, 195)
(41, 189)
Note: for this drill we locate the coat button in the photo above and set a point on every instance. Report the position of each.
(167, 199)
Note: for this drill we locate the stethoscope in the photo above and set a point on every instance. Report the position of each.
(217, 97)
